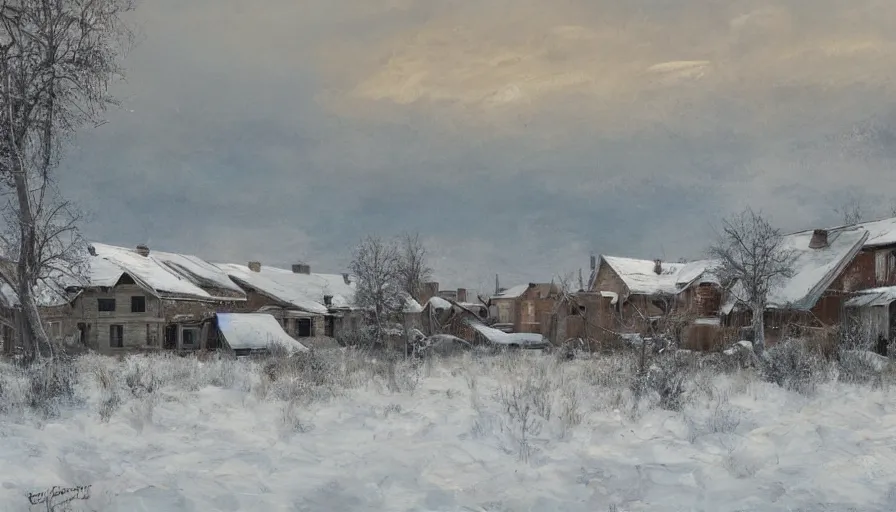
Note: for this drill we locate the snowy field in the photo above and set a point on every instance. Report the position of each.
(339, 432)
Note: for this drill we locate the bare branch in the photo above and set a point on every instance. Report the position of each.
(751, 255)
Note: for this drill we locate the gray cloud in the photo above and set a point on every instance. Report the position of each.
(515, 136)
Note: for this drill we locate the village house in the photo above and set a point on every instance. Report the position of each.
(827, 271)
(141, 299)
(632, 295)
(872, 276)
(308, 305)
(526, 308)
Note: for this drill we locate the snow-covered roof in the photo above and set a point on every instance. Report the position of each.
(873, 297)
(255, 331)
(512, 293)
(197, 270)
(439, 303)
(700, 271)
(411, 305)
(8, 296)
(497, 337)
(815, 269)
(157, 272)
(639, 276)
(880, 232)
(304, 291)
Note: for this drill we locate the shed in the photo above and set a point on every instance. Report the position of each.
(248, 333)
(872, 315)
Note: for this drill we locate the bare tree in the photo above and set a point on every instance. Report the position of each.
(751, 252)
(413, 266)
(57, 58)
(376, 264)
(851, 210)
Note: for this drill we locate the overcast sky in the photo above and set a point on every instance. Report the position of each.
(516, 136)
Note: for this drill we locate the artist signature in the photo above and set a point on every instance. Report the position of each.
(56, 496)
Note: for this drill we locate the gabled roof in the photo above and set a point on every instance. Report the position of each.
(542, 289)
(881, 232)
(815, 269)
(165, 274)
(874, 297)
(303, 291)
(639, 276)
(514, 292)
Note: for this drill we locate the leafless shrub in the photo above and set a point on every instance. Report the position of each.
(51, 383)
(667, 380)
(793, 367)
(862, 367)
(518, 402)
(290, 420)
(391, 409)
(571, 414)
(722, 419)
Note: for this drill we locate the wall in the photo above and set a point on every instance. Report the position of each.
(506, 310)
(534, 312)
(139, 329)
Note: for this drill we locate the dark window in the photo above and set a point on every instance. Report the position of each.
(138, 304)
(116, 336)
(329, 326)
(303, 327)
(107, 305)
(170, 340)
(189, 339)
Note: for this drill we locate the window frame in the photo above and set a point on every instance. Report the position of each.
(137, 300)
(107, 301)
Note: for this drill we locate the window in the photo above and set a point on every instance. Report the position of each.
(138, 304)
(116, 336)
(303, 327)
(189, 337)
(107, 305)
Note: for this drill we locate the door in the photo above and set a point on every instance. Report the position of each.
(170, 341)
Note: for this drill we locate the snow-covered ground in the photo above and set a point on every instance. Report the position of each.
(489, 433)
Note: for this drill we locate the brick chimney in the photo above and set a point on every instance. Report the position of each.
(301, 268)
(461, 295)
(593, 262)
(328, 300)
(345, 278)
(143, 250)
(658, 267)
(255, 266)
(819, 239)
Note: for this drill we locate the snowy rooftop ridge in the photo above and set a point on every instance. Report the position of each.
(161, 272)
(514, 292)
(815, 269)
(303, 291)
(881, 232)
(873, 297)
(641, 279)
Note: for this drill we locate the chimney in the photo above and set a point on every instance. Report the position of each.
(461, 295)
(593, 262)
(346, 279)
(819, 239)
(91, 250)
(255, 266)
(301, 268)
(328, 300)
(143, 250)
(658, 266)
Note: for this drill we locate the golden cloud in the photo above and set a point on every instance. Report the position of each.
(484, 62)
